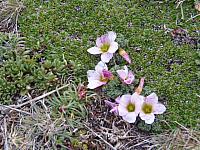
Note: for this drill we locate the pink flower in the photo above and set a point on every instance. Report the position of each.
(106, 46)
(113, 106)
(130, 106)
(126, 76)
(125, 55)
(150, 107)
(98, 77)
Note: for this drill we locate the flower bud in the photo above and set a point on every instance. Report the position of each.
(125, 55)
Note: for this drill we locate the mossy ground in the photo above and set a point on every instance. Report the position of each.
(63, 30)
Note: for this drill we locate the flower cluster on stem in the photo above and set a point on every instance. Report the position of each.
(128, 106)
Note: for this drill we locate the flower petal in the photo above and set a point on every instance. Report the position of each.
(126, 70)
(148, 118)
(105, 57)
(121, 74)
(130, 79)
(152, 99)
(130, 117)
(117, 100)
(113, 47)
(94, 84)
(114, 110)
(105, 39)
(111, 104)
(122, 110)
(137, 98)
(112, 36)
(138, 101)
(125, 100)
(93, 75)
(159, 109)
(100, 67)
(94, 50)
(98, 42)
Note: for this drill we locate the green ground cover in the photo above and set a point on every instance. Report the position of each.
(58, 34)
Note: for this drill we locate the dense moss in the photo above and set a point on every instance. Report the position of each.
(66, 29)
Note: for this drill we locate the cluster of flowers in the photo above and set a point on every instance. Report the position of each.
(128, 106)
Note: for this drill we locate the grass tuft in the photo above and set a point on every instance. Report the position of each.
(9, 14)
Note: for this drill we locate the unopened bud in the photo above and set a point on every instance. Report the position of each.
(125, 55)
(140, 87)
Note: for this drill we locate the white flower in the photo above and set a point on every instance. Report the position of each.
(150, 107)
(98, 77)
(130, 106)
(106, 46)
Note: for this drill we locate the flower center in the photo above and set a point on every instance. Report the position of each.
(103, 79)
(131, 107)
(105, 47)
(147, 108)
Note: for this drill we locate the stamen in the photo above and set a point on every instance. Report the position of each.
(105, 47)
(131, 107)
(147, 108)
(103, 79)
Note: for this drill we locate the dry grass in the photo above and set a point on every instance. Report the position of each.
(28, 127)
(34, 127)
(9, 13)
(181, 138)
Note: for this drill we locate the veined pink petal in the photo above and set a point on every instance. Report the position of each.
(122, 110)
(159, 108)
(128, 81)
(98, 42)
(148, 118)
(112, 36)
(94, 50)
(130, 117)
(100, 67)
(95, 83)
(131, 75)
(152, 99)
(105, 39)
(130, 78)
(121, 74)
(105, 57)
(113, 47)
